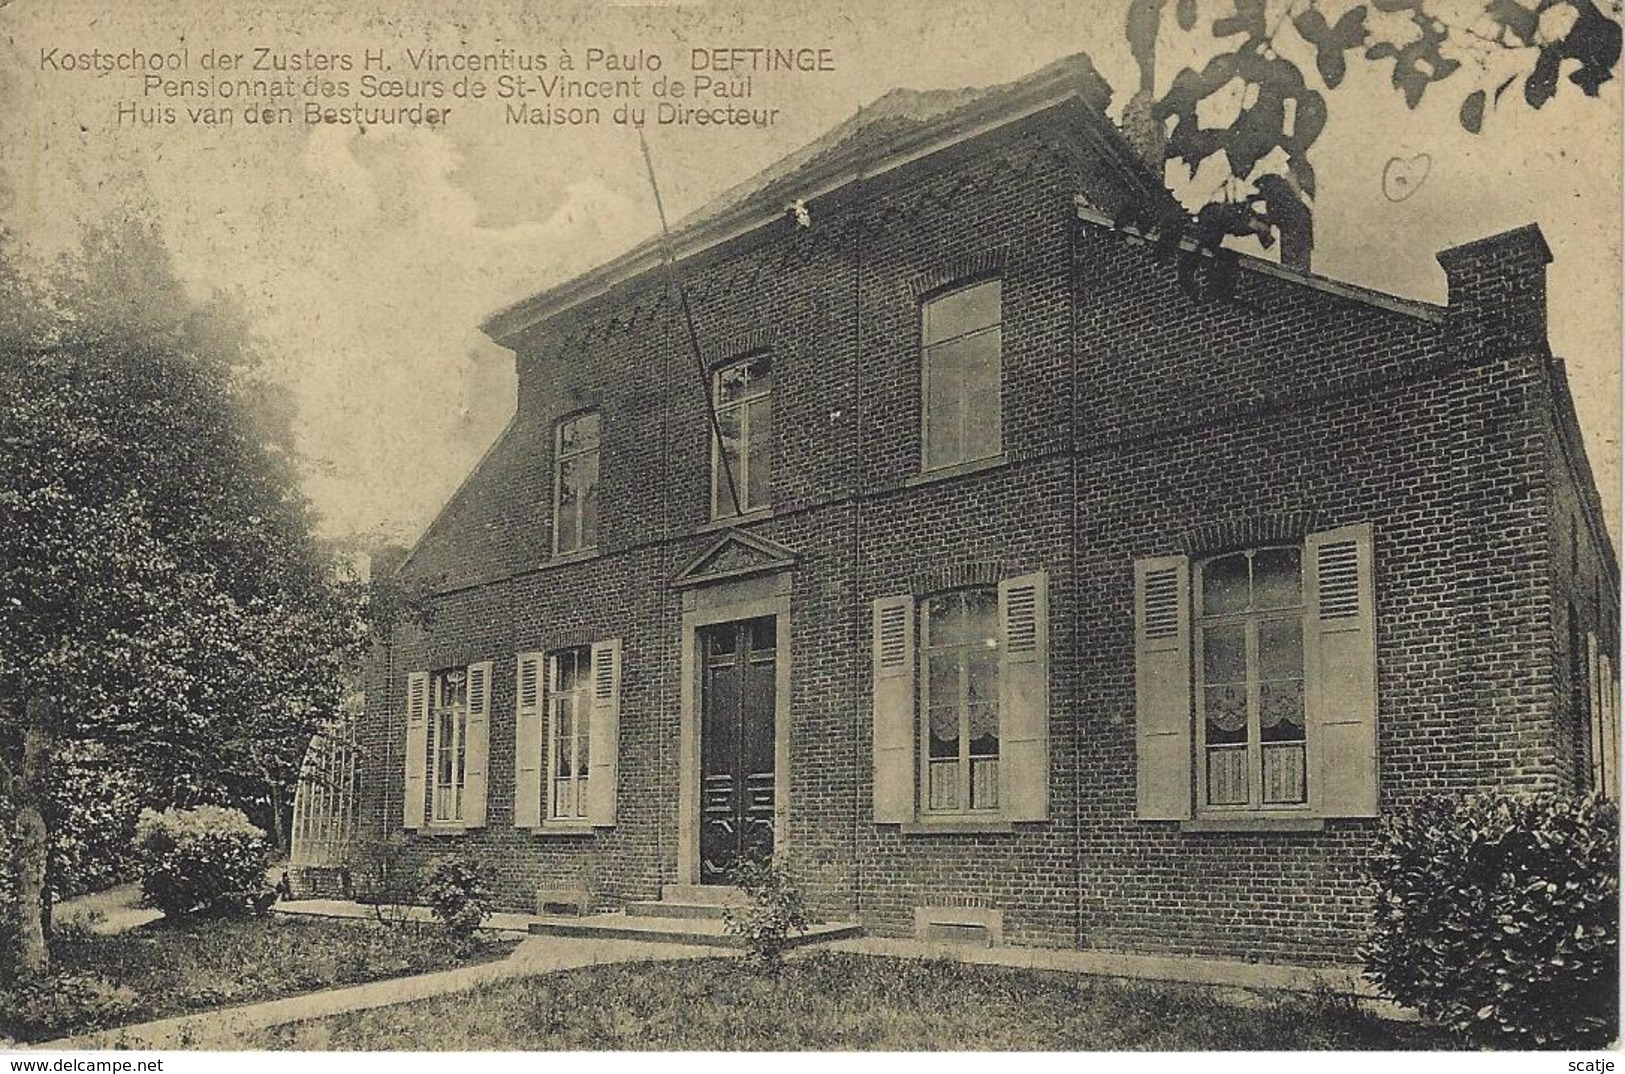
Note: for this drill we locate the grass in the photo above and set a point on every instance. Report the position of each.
(167, 968)
(833, 1002)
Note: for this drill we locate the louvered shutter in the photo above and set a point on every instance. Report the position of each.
(528, 734)
(1340, 671)
(1596, 723)
(477, 745)
(1162, 688)
(417, 747)
(1611, 729)
(604, 733)
(1024, 698)
(894, 744)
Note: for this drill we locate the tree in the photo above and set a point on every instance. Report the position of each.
(163, 598)
(1276, 111)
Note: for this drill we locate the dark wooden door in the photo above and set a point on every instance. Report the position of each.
(736, 744)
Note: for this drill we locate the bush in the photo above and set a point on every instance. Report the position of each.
(775, 910)
(94, 807)
(56, 1005)
(206, 861)
(8, 891)
(457, 895)
(1498, 917)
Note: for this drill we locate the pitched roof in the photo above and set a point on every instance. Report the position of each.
(900, 126)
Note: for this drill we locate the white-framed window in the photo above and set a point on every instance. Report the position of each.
(743, 452)
(1252, 742)
(961, 704)
(448, 726)
(961, 361)
(959, 700)
(1256, 681)
(575, 483)
(569, 732)
(567, 711)
(1602, 696)
(448, 744)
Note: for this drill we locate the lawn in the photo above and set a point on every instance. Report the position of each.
(167, 968)
(827, 1001)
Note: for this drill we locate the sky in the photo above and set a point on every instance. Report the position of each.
(366, 259)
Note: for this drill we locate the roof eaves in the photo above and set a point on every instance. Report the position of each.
(828, 175)
(1410, 307)
(462, 486)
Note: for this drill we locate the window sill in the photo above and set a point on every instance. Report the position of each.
(574, 831)
(755, 514)
(455, 831)
(1253, 824)
(957, 826)
(564, 559)
(959, 469)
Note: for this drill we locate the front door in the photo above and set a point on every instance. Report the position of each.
(737, 687)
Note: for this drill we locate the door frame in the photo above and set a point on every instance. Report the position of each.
(703, 606)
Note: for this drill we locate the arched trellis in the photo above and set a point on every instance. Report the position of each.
(325, 808)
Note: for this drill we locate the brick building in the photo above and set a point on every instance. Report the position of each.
(951, 545)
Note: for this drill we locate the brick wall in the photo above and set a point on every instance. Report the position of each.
(1134, 417)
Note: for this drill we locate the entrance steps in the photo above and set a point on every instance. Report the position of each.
(685, 914)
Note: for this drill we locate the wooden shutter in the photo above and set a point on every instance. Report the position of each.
(1340, 671)
(604, 733)
(1162, 688)
(894, 743)
(477, 745)
(1595, 722)
(1024, 697)
(528, 734)
(1610, 693)
(417, 747)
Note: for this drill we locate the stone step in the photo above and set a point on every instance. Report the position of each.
(702, 932)
(675, 909)
(711, 894)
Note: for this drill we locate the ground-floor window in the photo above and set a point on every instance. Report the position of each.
(569, 731)
(960, 699)
(448, 746)
(1250, 678)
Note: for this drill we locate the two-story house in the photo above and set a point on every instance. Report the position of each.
(946, 543)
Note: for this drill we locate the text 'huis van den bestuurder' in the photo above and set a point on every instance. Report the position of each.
(720, 85)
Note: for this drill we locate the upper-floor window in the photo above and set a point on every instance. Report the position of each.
(575, 483)
(961, 347)
(742, 457)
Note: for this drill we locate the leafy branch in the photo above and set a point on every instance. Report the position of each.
(1280, 112)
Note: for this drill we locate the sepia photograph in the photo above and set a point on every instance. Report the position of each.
(741, 526)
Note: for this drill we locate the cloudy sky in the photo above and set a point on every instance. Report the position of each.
(367, 259)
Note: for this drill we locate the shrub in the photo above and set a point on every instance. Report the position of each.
(55, 1005)
(1498, 917)
(775, 909)
(94, 807)
(8, 891)
(205, 861)
(457, 895)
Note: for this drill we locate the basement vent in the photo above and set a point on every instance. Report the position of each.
(978, 926)
(968, 935)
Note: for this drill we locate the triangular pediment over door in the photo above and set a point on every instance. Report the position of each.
(734, 554)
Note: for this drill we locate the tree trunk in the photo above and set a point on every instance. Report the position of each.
(32, 844)
(279, 829)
